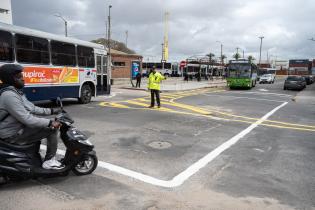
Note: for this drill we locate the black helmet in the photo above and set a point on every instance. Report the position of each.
(8, 71)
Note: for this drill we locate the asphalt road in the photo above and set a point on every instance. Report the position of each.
(204, 149)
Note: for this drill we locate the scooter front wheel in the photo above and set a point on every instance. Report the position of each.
(86, 166)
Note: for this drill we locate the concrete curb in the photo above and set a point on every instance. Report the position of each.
(181, 86)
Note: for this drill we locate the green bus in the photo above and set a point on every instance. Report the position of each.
(241, 74)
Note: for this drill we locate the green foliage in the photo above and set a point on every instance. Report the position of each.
(236, 56)
(250, 58)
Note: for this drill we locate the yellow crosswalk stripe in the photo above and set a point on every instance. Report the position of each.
(168, 99)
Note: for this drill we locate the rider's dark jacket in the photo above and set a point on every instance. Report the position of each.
(16, 113)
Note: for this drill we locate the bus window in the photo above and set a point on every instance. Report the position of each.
(86, 57)
(167, 66)
(31, 49)
(63, 54)
(6, 49)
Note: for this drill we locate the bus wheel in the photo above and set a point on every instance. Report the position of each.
(86, 94)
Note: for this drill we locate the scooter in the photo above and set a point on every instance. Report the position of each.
(24, 162)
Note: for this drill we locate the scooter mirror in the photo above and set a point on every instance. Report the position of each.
(59, 101)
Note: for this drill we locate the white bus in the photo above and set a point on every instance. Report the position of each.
(54, 66)
(170, 69)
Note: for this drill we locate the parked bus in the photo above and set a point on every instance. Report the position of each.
(196, 69)
(170, 69)
(54, 66)
(241, 74)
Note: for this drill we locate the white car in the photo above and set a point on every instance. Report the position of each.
(267, 78)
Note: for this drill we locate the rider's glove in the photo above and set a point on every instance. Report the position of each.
(55, 111)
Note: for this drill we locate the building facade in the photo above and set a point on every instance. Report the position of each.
(300, 67)
(122, 63)
(5, 11)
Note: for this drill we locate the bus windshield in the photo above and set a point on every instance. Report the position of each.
(240, 70)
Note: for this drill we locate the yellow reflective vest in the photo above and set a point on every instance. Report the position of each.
(155, 80)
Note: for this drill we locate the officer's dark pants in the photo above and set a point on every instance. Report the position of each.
(138, 83)
(31, 135)
(157, 94)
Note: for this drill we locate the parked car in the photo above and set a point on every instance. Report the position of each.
(309, 79)
(295, 83)
(267, 78)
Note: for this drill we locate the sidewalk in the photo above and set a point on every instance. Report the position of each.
(175, 84)
(307, 96)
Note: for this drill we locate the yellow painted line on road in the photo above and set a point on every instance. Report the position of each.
(184, 106)
(201, 112)
(146, 105)
(115, 105)
(271, 121)
(192, 108)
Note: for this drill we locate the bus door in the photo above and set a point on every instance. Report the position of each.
(102, 80)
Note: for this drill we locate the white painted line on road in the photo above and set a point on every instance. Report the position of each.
(180, 178)
(191, 170)
(258, 99)
(261, 93)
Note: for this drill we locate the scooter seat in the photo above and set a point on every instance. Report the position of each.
(17, 147)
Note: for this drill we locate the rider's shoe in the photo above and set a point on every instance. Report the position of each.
(52, 164)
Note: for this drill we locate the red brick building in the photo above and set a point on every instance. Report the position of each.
(122, 63)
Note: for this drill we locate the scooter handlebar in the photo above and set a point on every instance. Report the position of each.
(64, 118)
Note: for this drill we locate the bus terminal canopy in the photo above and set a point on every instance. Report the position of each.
(241, 61)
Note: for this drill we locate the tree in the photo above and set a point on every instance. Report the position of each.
(222, 58)
(236, 56)
(210, 55)
(116, 45)
(250, 58)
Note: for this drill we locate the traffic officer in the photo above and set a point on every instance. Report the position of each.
(154, 81)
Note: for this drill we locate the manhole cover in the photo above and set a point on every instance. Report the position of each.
(160, 144)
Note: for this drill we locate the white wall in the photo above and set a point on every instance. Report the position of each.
(5, 17)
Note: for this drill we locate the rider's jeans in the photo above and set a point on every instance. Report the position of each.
(31, 135)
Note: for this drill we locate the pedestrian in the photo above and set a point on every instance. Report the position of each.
(155, 79)
(186, 77)
(138, 78)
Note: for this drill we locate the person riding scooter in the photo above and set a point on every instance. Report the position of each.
(20, 123)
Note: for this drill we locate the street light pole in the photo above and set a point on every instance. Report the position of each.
(109, 62)
(221, 54)
(261, 38)
(66, 23)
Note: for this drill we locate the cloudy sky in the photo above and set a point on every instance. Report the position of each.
(195, 26)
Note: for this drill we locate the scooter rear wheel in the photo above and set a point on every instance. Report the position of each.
(86, 166)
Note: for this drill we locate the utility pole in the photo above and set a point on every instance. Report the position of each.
(261, 38)
(109, 62)
(106, 34)
(237, 48)
(243, 54)
(126, 38)
(221, 58)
